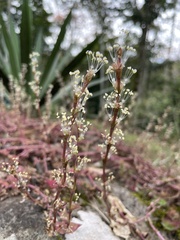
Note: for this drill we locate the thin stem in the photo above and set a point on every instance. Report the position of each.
(105, 159)
(64, 162)
(118, 71)
(155, 230)
(72, 193)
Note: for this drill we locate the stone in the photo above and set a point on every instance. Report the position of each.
(92, 228)
(21, 220)
(12, 237)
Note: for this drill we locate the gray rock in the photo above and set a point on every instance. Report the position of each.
(25, 221)
(12, 237)
(22, 220)
(92, 228)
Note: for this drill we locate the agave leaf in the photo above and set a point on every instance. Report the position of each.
(26, 39)
(11, 46)
(59, 64)
(16, 41)
(99, 93)
(4, 94)
(98, 81)
(51, 60)
(4, 59)
(26, 32)
(39, 42)
(64, 60)
(5, 67)
(63, 92)
(50, 76)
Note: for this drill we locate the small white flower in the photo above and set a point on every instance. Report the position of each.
(95, 61)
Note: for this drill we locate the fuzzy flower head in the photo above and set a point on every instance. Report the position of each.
(95, 61)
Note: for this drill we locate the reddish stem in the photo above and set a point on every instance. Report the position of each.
(118, 70)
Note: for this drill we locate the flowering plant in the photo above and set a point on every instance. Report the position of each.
(60, 196)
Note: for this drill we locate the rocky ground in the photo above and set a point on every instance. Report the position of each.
(22, 220)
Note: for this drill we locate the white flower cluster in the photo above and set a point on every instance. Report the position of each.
(77, 82)
(112, 103)
(73, 148)
(18, 94)
(95, 61)
(109, 140)
(113, 51)
(70, 180)
(21, 176)
(47, 113)
(65, 123)
(82, 161)
(121, 53)
(57, 175)
(82, 127)
(107, 184)
(128, 74)
(34, 60)
(79, 91)
(118, 98)
(35, 84)
(11, 168)
(125, 95)
(76, 196)
(125, 79)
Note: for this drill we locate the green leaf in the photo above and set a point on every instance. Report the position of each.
(50, 76)
(51, 60)
(64, 60)
(4, 58)
(170, 225)
(100, 93)
(59, 64)
(4, 94)
(39, 42)
(63, 93)
(16, 42)
(26, 32)
(98, 81)
(162, 202)
(11, 46)
(26, 40)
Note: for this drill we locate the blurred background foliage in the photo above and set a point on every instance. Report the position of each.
(62, 31)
